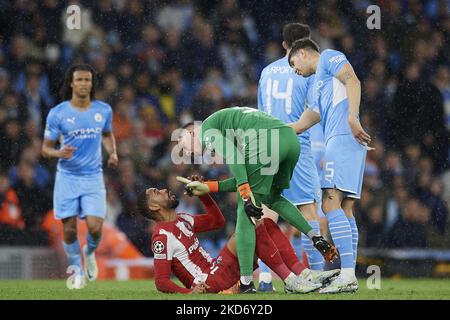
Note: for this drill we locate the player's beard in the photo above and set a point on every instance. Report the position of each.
(173, 203)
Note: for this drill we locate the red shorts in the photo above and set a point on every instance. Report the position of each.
(224, 272)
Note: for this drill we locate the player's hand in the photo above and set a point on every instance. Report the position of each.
(194, 188)
(199, 288)
(66, 151)
(197, 187)
(358, 132)
(113, 160)
(251, 209)
(328, 251)
(196, 177)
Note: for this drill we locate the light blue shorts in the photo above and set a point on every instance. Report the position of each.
(305, 184)
(79, 196)
(343, 167)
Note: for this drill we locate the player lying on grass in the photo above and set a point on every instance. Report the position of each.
(261, 152)
(177, 250)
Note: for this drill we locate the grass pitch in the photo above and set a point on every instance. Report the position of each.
(401, 289)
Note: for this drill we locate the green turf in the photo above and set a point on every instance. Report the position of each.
(132, 290)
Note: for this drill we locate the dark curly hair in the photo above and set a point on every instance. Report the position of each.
(66, 90)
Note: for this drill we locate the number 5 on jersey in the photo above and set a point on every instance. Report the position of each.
(329, 171)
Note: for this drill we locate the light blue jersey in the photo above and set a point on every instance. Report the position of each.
(79, 186)
(317, 144)
(344, 158)
(285, 95)
(330, 95)
(82, 130)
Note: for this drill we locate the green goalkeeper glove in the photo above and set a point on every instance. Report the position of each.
(198, 188)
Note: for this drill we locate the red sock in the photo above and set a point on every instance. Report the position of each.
(268, 252)
(284, 247)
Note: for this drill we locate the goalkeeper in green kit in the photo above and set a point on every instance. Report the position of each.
(261, 152)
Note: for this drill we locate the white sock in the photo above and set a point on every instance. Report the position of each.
(245, 280)
(306, 271)
(265, 277)
(291, 277)
(348, 273)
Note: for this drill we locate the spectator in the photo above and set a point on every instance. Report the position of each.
(410, 229)
(12, 142)
(11, 220)
(432, 197)
(33, 201)
(375, 229)
(128, 221)
(163, 64)
(122, 122)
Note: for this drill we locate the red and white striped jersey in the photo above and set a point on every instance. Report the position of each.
(177, 249)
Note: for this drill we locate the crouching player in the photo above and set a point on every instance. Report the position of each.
(177, 250)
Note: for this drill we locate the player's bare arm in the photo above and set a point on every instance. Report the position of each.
(48, 150)
(109, 143)
(306, 121)
(353, 87)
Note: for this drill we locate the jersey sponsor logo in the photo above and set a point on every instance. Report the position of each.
(158, 247)
(85, 133)
(71, 120)
(98, 117)
(337, 59)
(194, 246)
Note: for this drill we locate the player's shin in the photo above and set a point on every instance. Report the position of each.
(342, 237)
(73, 252)
(285, 249)
(265, 274)
(268, 252)
(92, 243)
(245, 244)
(355, 237)
(315, 258)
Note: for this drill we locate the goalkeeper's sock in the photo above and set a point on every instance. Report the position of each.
(355, 237)
(315, 259)
(267, 251)
(245, 241)
(73, 252)
(265, 275)
(91, 243)
(287, 253)
(342, 236)
(246, 280)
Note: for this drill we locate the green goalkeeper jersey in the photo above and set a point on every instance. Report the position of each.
(242, 136)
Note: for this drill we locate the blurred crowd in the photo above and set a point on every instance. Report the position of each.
(162, 64)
